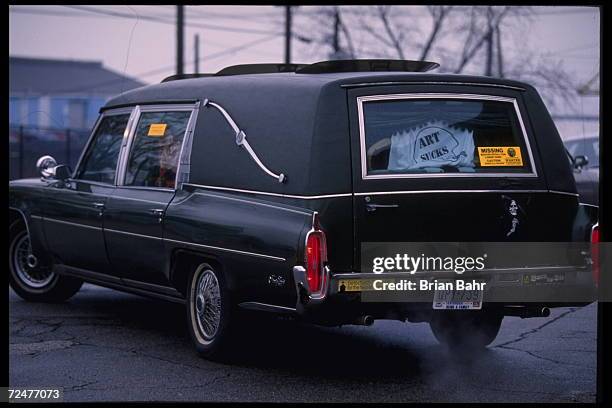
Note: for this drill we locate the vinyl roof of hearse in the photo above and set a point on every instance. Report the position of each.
(196, 88)
(298, 115)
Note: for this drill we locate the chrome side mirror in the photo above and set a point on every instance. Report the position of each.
(580, 161)
(46, 166)
(62, 172)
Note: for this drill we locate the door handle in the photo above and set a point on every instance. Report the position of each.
(100, 208)
(159, 213)
(510, 183)
(374, 207)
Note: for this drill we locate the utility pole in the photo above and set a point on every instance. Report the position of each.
(335, 37)
(287, 34)
(489, 41)
(196, 51)
(500, 57)
(180, 28)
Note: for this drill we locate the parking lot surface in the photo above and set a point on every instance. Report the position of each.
(104, 345)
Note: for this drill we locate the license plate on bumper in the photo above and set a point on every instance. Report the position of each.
(458, 299)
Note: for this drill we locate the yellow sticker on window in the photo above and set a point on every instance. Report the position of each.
(157, 129)
(500, 156)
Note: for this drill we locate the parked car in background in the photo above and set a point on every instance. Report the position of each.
(584, 156)
(172, 199)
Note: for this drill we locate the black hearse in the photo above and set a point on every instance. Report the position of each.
(255, 188)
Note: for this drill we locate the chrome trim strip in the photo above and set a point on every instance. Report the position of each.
(72, 223)
(317, 197)
(364, 84)
(266, 307)
(424, 95)
(245, 201)
(110, 112)
(90, 182)
(132, 234)
(565, 193)
(299, 272)
(69, 190)
(593, 227)
(138, 199)
(447, 191)
(112, 282)
(588, 205)
(183, 170)
(36, 217)
(25, 219)
(145, 188)
(129, 138)
(125, 143)
(241, 140)
(275, 258)
(167, 290)
(301, 286)
(303, 197)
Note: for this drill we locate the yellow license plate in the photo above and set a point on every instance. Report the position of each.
(355, 285)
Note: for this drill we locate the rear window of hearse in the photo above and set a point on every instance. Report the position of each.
(404, 135)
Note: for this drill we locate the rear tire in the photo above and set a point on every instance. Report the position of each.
(210, 313)
(465, 330)
(31, 281)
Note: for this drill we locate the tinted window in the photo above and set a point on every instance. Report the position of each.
(156, 148)
(100, 160)
(406, 136)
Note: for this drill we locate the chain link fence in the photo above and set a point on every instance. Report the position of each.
(28, 143)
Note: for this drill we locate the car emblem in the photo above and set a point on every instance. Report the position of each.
(513, 208)
(276, 280)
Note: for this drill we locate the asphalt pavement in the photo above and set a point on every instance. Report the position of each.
(104, 345)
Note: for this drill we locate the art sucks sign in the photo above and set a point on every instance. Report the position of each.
(434, 144)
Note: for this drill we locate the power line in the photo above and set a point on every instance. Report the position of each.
(170, 67)
(158, 18)
(53, 13)
(200, 12)
(165, 21)
(81, 15)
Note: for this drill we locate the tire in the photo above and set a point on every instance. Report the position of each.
(465, 330)
(35, 283)
(210, 313)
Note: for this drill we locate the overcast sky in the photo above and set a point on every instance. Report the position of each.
(140, 40)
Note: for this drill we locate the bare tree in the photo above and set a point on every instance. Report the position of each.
(438, 13)
(464, 39)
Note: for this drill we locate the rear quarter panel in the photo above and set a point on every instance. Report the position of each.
(250, 238)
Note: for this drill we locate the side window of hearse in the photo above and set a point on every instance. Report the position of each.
(155, 151)
(420, 136)
(100, 160)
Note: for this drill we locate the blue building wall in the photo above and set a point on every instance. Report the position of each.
(14, 110)
(26, 111)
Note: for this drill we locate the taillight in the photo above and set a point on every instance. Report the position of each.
(316, 256)
(595, 253)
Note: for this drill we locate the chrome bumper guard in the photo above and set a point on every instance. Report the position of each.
(310, 302)
(304, 297)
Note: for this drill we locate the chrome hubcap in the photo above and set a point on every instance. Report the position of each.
(208, 304)
(26, 265)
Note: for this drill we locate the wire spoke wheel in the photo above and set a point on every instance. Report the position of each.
(32, 276)
(207, 303)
